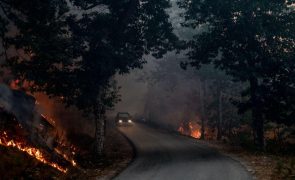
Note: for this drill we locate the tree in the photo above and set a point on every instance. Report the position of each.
(72, 49)
(253, 42)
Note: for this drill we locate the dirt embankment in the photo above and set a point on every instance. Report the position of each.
(15, 164)
(118, 154)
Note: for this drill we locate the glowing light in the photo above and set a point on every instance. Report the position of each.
(66, 157)
(34, 152)
(193, 130)
(50, 120)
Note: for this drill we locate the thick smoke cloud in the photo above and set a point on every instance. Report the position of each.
(67, 119)
(18, 103)
(28, 109)
(162, 92)
(136, 91)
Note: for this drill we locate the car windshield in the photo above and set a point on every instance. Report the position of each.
(123, 115)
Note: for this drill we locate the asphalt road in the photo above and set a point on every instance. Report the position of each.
(165, 156)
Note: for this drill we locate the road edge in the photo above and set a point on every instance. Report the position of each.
(134, 155)
(235, 158)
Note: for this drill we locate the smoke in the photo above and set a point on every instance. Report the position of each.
(161, 92)
(167, 95)
(5, 97)
(67, 119)
(168, 100)
(19, 104)
(28, 109)
(173, 94)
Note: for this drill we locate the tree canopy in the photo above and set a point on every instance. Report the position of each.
(253, 41)
(72, 49)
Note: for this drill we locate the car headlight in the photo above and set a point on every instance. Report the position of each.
(120, 121)
(130, 121)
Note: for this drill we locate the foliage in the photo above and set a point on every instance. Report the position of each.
(285, 170)
(253, 42)
(66, 50)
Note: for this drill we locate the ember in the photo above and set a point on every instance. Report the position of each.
(34, 152)
(59, 151)
(43, 132)
(192, 129)
(66, 157)
(50, 120)
(18, 84)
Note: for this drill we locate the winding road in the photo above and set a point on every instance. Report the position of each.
(164, 156)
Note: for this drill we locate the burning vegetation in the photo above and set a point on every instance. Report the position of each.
(24, 128)
(34, 152)
(38, 144)
(190, 128)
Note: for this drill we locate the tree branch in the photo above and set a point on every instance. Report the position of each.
(4, 10)
(91, 6)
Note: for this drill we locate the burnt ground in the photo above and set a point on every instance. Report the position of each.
(15, 164)
(263, 166)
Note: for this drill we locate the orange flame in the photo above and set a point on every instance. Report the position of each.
(66, 157)
(14, 84)
(193, 130)
(50, 120)
(5, 141)
(20, 84)
(34, 152)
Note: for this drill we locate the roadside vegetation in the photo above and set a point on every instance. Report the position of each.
(238, 85)
(231, 80)
(118, 153)
(69, 51)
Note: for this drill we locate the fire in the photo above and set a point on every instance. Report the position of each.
(192, 130)
(181, 129)
(34, 152)
(195, 131)
(20, 84)
(60, 152)
(44, 103)
(66, 157)
(50, 120)
(15, 84)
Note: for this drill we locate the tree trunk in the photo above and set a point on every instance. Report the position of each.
(219, 130)
(202, 111)
(100, 126)
(257, 118)
(229, 130)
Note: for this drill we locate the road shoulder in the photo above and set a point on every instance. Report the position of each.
(262, 166)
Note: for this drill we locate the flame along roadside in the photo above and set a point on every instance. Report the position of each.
(193, 131)
(34, 152)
